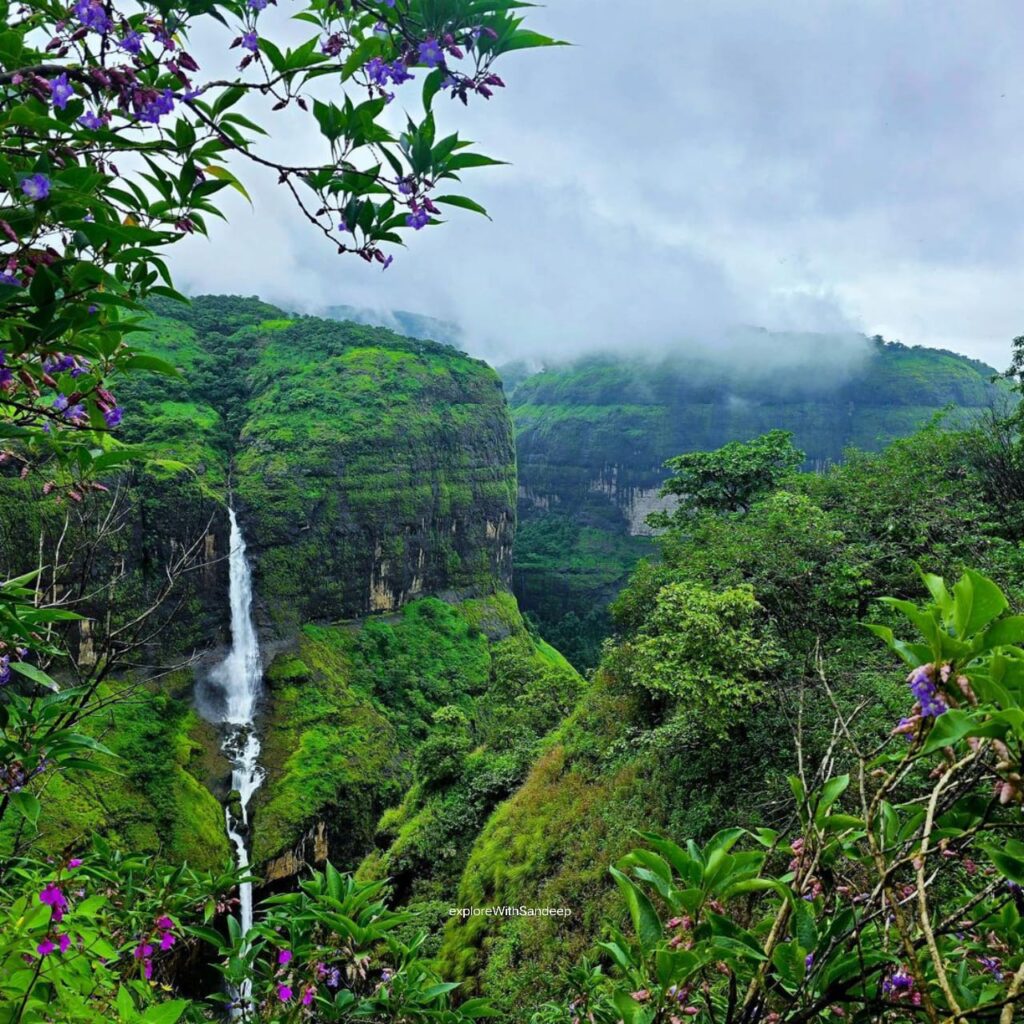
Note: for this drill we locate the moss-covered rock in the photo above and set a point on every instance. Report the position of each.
(152, 797)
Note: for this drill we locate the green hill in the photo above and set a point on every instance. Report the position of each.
(592, 438)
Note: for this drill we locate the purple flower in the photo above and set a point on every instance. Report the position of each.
(809, 961)
(61, 91)
(417, 219)
(385, 976)
(992, 965)
(284, 957)
(167, 940)
(399, 73)
(431, 53)
(75, 862)
(922, 686)
(11, 281)
(898, 983)
(64, 942)
(307, 996)
(46, 947)
(155, 109)
(92, 15)
(405, 186)
(250, 41)
(284, 993)
(388, 260)
(257, 5)
(5, 669)
(165, 923)
(377, 71)
(75, 413)
(60, 403)
(36, 187)
(142, 950)
(131, 42)
(94, 122)
(55, 365)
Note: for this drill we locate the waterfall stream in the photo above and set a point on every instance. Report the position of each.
(238, 678)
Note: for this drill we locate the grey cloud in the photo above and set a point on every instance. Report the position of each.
(686, 167)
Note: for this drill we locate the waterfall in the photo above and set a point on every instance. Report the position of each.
(238, 678)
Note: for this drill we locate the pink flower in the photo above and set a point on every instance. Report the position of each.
(75, 862)
(284, 993)
(53, 896)
(284, 957)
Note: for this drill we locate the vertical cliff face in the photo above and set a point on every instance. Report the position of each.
(375, 471)
(592, 439)
(368, 469)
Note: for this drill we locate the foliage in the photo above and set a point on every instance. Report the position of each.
(592, 437)
(123, 147)
(898, 887)
(329, 952)
(704, 650)
(731, 478)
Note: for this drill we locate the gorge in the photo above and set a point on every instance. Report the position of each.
(370, 692)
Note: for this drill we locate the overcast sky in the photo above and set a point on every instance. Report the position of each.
(689, 165)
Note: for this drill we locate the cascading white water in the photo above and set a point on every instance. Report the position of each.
(238, 677)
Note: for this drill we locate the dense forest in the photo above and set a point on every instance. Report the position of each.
(413, 726)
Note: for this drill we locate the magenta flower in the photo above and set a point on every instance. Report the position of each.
(167, 940)
(307, 997)
(284, 993)
(53, 896)
(164, 922)
(75, 862)
(45, 948)
(284, 957)
(142, 950)
(64, 942)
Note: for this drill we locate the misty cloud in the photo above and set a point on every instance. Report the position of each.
(834, 167)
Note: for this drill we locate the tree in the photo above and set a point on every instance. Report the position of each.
(729, 479)
(894, 894)
(115, 147)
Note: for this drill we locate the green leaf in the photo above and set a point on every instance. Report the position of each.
(165, 1013)
(27, 805)
(464, 202)
(223, 174)
(1008, 630)
(151, 363)
(976, 602)
(37, 675)
(641, 910)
